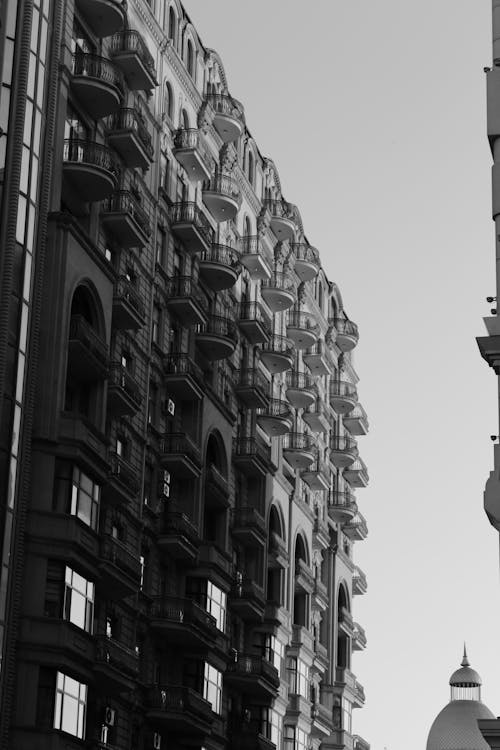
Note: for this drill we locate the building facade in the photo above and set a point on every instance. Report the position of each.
(179, 414)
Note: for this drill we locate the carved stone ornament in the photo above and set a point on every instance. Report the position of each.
(301, 293)
(330, 336)
(227, 157)
(279, 253)
(263, 222)
(205, 117)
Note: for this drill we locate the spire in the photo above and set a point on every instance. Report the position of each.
(465, 660)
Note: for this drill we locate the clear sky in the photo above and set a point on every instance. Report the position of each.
(375, 115)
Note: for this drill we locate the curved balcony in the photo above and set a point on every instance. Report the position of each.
(180, 455)
(302, 329)
(300, 389)
(128, 308)
(356, 421)
(185, 300)
(343, 451)
(316, 417)
(254, 257)
(318, 359)
(275, 418)
(104, 16)
(357, 474)
(175, 709)
(299, 450)
(124, 394)
(278, 292)
(183, 621)
(222, 197)
(191, 226)
(191, 154)
(90, 168)
(129, 136)
(229, 118)
(116, 666)
(342, 506)
(307, 263)
(356, 529)
(97, 83)
(130, 52)
(251, 387)
(317, 476)
(358, 638)
(120, 568)
(252, 456)
(254, 322)
(247, 599)
(343, 396)
(359, 582)
(124, 217)
(182, 377)
(178, 536)
(347, 334)
(87, 351)
(249, 527)
(123, 481)
(282, 219)
(216, 339)
(253, 676)
(219, 267)
(277, 354)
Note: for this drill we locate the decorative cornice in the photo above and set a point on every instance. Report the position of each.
(176, 64)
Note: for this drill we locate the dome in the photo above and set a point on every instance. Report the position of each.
(465, 676)
(455, 727)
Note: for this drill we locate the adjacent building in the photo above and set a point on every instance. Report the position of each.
(179, 413)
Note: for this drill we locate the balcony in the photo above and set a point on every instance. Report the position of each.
(90, 168)
(277, 354)
(254, 322)
(254, 257)
(304, 577)
(249, 527)
(302, 329)
(317, 476)
(316, 417)
(182, 377)
(356, 529)
(359, 695)
(356, 421)
(343, 451)
(346, 623)
(252, 456)
(191, 154)
(300, 389)
(182, 622)
(124, 394)
(277, 556)
(229, 118)
(216, 488)
(321, 533)
(253, 676)
(123, 484)
(252, 735)
(359, 583)
(116, 667)
(222, 197)
(216, 339)
(175, 709)
(341, 506)
(215, 564)
(299, 450)
(219, 267)
(320, 595)
(247, 600)
(358, 638)
(104, 16)
(318, 359)
(282, 219)
(129, 136)
(185, 300)
(275, 418)
(120, 569)
(128, 308)
(278, 292)
(123, 216)
(347, 334)
(97, 84)
(357, 474)
(180, 455)
(252, 388)
(178, 537)
(191, 226)
(343, 396)
(307, 263)
(130, 52)
(87, 352)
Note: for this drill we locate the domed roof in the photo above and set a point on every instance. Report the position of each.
(465, 676)
(455, 727)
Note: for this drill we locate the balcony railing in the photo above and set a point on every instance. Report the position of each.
(124, 473)
(120, 377)
(131, 41)
(252, 378)
(129, 119)
(281, 281)
(182, 364)
(255, 312)
(342, 389)
(254, 665)
(124, 202)
(124, 290)
(81, 330)
(305, 253)
(116, 655)
(179, 610)
(190, 213)
(278, 344)
(346, 327)
(298, 441)
(226, 185)
(179, 699)
(250, 446)
(220, 325)
(279, 208)
(223, 254)
(300, 380)
(338, 499)
(303, 321)
(190, 138)
(176, 523)
(343, 443)
(249, 516)
(94, 66)
(179, 442)
(116, 552)
(185, 286)
(226, 105)
(88, 152)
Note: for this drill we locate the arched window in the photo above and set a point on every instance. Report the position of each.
(172, 25)
(190, 58)
(184, 120)
(168, 101)
(247, 227)
(319, 295)
(251, 168)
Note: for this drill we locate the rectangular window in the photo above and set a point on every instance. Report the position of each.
(70, 706)
(156, 325)
(216, 605)
(212, 687)
(274, 651)
(78, 600)
(84, 498)
(298, 676)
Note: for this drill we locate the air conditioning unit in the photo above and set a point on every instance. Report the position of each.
(166, 476)
(110, 716)
(157, 741)
(165, 490)
(169, 407)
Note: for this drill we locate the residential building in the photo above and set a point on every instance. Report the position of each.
(179, 413)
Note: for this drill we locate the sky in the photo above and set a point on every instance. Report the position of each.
(375, 115)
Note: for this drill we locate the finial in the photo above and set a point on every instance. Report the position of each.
(465, 661)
